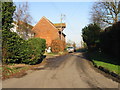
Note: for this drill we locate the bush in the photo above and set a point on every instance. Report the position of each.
(13, 49)
(36, 47)
(18, 50)
(57, 46)
(110, 40)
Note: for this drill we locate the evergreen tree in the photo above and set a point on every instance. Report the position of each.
(90, 36)
(7, 15)
(7, 18)
(0, 31)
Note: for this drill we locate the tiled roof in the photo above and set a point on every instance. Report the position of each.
(21, 22)
(30, 26)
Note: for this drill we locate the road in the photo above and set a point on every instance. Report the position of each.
(69, 71)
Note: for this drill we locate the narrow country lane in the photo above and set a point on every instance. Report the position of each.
(69, 71)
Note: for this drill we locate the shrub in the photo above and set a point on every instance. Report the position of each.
(13, 49)
(110, 40)
(22, 51)
(36, 47)
(57, 46)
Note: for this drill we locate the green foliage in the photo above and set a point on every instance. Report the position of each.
(110, 40)
(21, 51)
(90, 35)
(101, 59)
(36, 48)
(7, 13)
(111, 67)
(14, 48)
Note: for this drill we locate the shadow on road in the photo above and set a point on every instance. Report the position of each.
(41, 59)
(53, 63)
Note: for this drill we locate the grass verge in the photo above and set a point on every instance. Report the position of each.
(105, 61)
(17, 70)
(54, 54)
(8, 72)
(110, 67)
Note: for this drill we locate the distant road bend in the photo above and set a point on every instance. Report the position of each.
(68, 71)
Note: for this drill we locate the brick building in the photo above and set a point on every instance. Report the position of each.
(47, 30)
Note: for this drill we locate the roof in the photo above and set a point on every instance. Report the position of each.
(49, 21)
(21, 22)
(58, 25)
(30, 26)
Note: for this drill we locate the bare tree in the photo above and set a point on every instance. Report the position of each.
(105, 13)
(74, 45)
(69, 43)
(23, 18)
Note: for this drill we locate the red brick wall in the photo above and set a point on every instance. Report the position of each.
(44, 29)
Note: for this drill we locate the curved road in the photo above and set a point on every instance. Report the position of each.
(69, 71)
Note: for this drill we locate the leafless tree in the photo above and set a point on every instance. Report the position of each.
(105, 13)
(69, 43)
(74, 45)
(23, 18)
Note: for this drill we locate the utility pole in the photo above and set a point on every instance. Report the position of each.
(62, 17)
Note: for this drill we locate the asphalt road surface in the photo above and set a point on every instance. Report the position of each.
(69, 71)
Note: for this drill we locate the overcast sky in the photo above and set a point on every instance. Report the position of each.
(77, 16)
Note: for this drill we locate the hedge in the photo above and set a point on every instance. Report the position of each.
(17, 50)
(110, 41)
(14, 48)
(36, 50)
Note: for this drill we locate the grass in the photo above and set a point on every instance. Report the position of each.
(101, 59)
(8, 71)
(51, 54)
(110, 67)
(0, 68)
(81, 50)
(59, 53)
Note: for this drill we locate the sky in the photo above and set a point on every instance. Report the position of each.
(77, 16)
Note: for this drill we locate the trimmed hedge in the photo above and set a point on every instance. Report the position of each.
(110, 40)
(57, 46)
